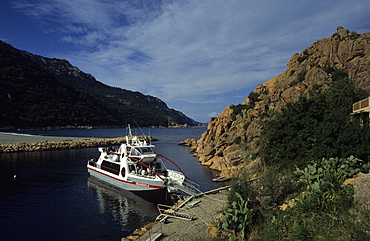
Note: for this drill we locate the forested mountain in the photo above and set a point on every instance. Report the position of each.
(38, 92)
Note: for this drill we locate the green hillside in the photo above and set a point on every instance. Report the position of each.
(40, 92)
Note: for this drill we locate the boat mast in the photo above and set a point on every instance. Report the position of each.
(129, 134)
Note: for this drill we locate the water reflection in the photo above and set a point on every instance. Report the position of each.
(52, 197)
(125, 207)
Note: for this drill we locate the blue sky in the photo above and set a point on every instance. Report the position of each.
(198, 56)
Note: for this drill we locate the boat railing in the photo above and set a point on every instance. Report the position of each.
(150, 169)
(172, 163)
(145, 175)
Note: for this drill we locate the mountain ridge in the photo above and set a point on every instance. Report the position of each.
(41, 92)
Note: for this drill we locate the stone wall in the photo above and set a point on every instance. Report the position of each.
(62, 145)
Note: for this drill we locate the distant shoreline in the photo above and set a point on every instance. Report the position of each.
(14, 138)
(28, 143)
(14, 130)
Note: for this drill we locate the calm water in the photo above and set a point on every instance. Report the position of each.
(52, 197)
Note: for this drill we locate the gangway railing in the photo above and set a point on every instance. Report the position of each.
(188, 187)
(193, 186)
(172, 163)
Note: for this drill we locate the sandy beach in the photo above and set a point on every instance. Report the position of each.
(12, 138)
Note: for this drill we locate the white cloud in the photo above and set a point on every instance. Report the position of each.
(193, 52)
(213, 114)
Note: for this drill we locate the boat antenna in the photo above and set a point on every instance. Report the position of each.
(129, 130)
(150, 141)
(129, 133)
(145, 138)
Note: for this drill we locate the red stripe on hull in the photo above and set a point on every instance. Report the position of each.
(133, 183)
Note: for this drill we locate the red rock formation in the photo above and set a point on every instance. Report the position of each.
(232, 138)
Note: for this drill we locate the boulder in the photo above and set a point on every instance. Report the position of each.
(361, 185)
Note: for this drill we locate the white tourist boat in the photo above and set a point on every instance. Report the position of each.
(137, 167)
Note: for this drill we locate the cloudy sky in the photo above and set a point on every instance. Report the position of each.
(198, 56)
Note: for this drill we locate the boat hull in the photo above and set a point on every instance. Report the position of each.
(150, 192)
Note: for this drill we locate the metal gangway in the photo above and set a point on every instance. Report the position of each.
(188, 187)
(173, 212)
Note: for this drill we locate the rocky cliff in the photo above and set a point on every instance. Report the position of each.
(232, 138)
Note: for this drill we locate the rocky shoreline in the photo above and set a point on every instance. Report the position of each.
(61, 145)
(232, 139)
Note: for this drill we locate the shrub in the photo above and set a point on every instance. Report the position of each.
(342, 168)
(301, 75)
(239, 217)
(324, 183)
(325, 210)
(237, 110)
(315, 127)
(244, 186)
(303, 57)
(275, 187)
(253, 98)
(246, 125)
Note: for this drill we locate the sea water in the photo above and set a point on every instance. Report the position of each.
(48, 195)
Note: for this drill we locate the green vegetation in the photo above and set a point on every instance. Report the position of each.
(308, 151)
(301, 75)
(342, 168)
(317, 204)
(305, 56)
(315, 127)
(239, 217)
(353, 35)
(253, 98)
(237, 109)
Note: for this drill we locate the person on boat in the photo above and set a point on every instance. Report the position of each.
(133, 169)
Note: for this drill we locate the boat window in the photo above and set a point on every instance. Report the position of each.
(110, 167)
(146, 150)
(158, 167)
(135, 152)
(123, 172)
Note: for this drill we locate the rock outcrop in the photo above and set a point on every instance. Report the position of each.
(361, 185)
(232, 138)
